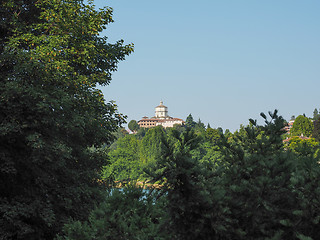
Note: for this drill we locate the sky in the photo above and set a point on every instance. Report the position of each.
(222, 61)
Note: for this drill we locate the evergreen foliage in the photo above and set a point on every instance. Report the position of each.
(316, 114)
(181, 179)
(259, 189)
(316, 130)
(189, 121)
(245, 185)
(131, 213)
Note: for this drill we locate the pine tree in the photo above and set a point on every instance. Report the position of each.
(189, 121)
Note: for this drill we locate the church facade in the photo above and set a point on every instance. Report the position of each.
(161, 118)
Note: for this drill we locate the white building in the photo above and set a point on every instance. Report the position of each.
(161, 118)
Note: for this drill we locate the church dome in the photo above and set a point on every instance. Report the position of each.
(161, 111)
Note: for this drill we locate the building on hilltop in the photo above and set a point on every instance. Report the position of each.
(161, 118)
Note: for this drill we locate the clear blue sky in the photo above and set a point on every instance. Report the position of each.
(222, 61)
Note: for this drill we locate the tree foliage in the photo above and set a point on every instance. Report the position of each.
(303, 147)
(189, 121)
(51, 113)
(133, 126)
(259, 189)
(245, 185)
(131, 213)
(316, 130)
(302, 126)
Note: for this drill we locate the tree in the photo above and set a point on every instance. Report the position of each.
(263, 191)
(123, 164)
(316, 130)
(53, 119)
(213, 135)
(302, 126)
(181, 178)
(304, 147)
(128, 213)
(189, 121)
(316, 114)
(133, 126)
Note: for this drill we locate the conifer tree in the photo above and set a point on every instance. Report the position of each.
(189, 121)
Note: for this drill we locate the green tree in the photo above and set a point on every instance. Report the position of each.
(303, 147)
(213, 135)
(302, 126)
(181, 178)
(123, 164)
(131, 213)
(51, 113)
(316, 114)
(189, 121)
(151, 144)
(316, 130)
(259, 193)
(133, 126)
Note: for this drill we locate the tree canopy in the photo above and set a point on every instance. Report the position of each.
(133, 126)
(53, 118)
(302, 126)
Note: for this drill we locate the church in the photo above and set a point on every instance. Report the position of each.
(161, 118)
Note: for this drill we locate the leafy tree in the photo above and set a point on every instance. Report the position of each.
(123, 164)
(131, 213)
(302, 126)
(133, 126)
(51, 113)
(141, 133)
(213, 135)
(303, 147)
(151, 144)
(189, 121)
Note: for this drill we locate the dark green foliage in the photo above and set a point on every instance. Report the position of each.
(244, 185)
(200, 127)
(189, 121)
(302, 126)
(141, 133)
(316, 115)
(51, 113)
(133, 126)
(316, 130)
(128, 214)
(181, 177)
(259, 192)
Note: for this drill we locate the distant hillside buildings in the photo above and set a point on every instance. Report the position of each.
(289, 126)
(161, 118)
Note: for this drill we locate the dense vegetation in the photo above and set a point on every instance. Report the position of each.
(53, 118)
(64, 177)
(206, 184)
